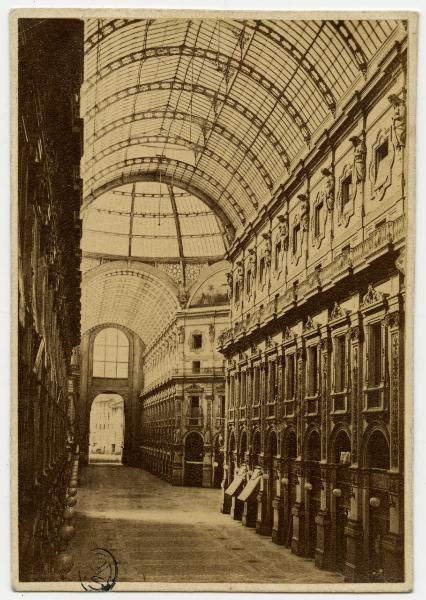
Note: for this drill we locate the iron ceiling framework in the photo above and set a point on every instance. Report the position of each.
(228, 104)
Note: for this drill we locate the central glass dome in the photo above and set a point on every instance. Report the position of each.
(149, 221)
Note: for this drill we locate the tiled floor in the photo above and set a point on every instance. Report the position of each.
(160, 533)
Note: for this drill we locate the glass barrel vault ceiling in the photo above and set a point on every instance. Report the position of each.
(149, 221)
(223, 107)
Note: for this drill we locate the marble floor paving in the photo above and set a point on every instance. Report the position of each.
(161, 533)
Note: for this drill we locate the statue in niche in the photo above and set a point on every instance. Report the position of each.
(360, 153)
(329, 188)
(211, 332)
(176, 437)
(267, 250)
(181, 334)
(304, 211)
(229, 282)
(240, 272)
(252, 262)
(398, 119)
(283, 230)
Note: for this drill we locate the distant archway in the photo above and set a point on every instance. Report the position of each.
(106, 438)
(194, 454)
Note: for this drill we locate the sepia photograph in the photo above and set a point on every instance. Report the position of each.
(212, 242)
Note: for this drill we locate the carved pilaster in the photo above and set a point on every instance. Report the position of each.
(355, 334)
(300, 394)
(325, 349)
(392, 321)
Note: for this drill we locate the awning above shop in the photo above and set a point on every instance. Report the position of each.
(252, 485)
(238, 480)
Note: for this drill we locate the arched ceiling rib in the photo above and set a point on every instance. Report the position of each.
(149, 221)
(135, 297)
(221, 107)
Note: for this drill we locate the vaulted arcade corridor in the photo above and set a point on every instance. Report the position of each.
(160, 533)
(212, 281)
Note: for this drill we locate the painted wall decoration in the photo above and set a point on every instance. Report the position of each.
(213, 291)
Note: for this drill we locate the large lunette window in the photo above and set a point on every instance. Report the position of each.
(111, 354)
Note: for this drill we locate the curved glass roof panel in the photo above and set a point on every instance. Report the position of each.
(149, 220)
(222, 107)
(131, 297)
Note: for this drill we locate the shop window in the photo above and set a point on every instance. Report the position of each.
(375, 355)
(312, 371)
(197, 341)
(231, 392)
(243, 389)
(378, 456)
(111, 354)
(289, 368)
(195, 403)
(346, 190)
(340, 363)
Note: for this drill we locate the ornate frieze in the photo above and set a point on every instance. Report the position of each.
(394, 399)
(372, 297)
(310, 325)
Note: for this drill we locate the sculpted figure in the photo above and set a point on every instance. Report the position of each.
(360, 152)
(267, 250)
(329, 188)
(304, 210)
(398, 119)
(283, 231)
(240, 272)
(229, 282)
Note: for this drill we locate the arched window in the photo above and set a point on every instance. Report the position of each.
(111, 354)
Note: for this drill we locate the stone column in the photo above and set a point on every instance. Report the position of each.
(298, 514)
(298, 510)
(278, 529)
(225, 505)
(324, 548)
(263, 521)
(177, 466)
(354, 566)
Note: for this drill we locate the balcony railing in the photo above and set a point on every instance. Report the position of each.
(184, 372)
(194, 416)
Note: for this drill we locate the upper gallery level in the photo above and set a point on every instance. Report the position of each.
(186, 346)
(341, 208)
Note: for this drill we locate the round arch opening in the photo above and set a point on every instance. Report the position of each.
(106, 437)
(377, 451)
(194, 455)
